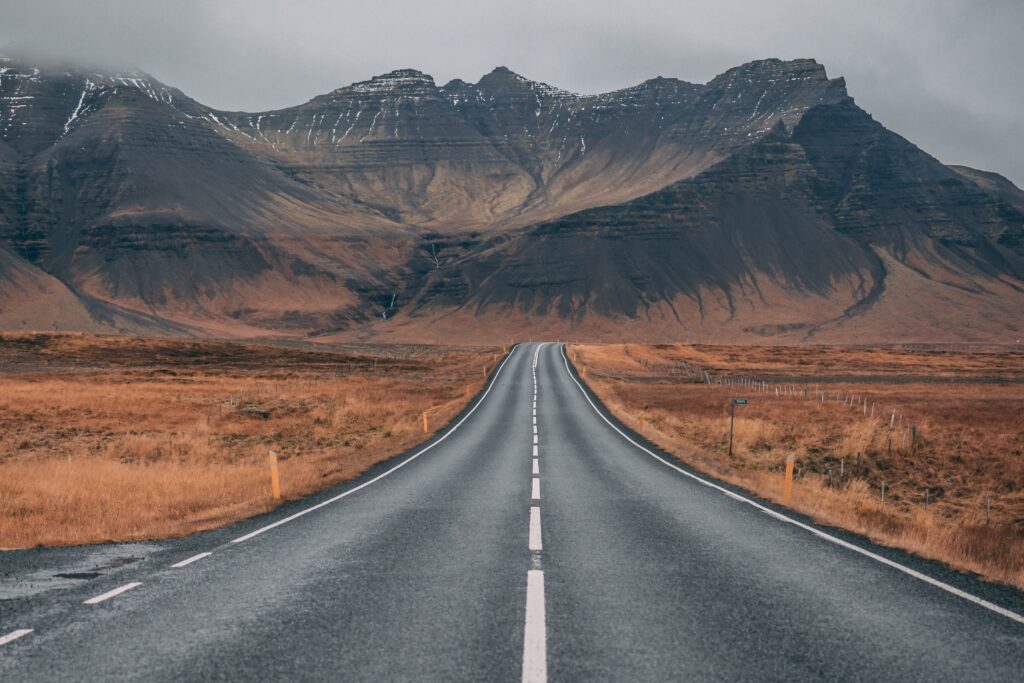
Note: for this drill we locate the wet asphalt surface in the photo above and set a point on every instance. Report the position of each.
(421, 575)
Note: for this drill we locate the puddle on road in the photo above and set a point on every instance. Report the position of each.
(77, 575)
(36, 571)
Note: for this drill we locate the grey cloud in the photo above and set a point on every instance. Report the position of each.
(941, 72)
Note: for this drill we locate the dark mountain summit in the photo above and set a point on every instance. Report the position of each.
(763, 203)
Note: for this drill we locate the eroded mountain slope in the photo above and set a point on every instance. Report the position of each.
(832, 230)
(764, 203)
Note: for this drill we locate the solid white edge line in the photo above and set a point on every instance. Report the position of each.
(536, 542)
(190, 560)
(535, 655)
(535, 488)
(112, 594)
(14, 635)
(789, 520)
(380, 476)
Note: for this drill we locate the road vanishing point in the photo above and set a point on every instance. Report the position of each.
(532, 539)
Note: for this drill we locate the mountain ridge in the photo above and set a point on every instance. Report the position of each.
(762, 204)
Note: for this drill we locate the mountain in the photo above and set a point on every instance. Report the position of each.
(764, 204)
(994, 184)
(423, 155)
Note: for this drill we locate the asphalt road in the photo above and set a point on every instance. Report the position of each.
(534, 539)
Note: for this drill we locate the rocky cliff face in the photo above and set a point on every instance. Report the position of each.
(507, 150)
(764, 202)
(804, 234)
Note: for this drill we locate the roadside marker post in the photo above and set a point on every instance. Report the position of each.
(275, 478)
(787, 488)
(426, 428)
(732, 417)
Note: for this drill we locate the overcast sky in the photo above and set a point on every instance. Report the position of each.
(944, 73)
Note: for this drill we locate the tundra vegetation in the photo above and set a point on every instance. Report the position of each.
(117, 438)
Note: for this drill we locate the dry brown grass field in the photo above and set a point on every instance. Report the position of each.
(115, 438)
(952, 461)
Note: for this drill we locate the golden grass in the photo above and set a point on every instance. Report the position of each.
(117, 438)
(956, 495)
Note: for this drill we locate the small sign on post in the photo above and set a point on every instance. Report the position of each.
(732, 418)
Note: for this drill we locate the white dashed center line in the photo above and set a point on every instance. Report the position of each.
(194, 558)
(535, 540)
(112, 594)
(14, 635)
(535, 656)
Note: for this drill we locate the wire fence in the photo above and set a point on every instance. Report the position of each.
(899, 431)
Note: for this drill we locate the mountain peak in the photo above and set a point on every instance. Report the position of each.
(504, 76)
(398, 80)
(404, 74)
(503, 81)
(661, 83)
(775, 69)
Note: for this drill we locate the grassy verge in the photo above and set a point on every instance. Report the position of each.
(119, 438)
(942, 432)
